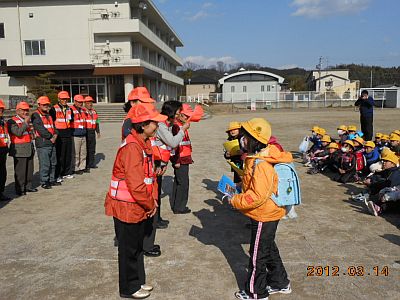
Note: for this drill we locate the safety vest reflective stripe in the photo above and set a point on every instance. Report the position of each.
(62, 120)
(185, 147)
(47, 123)
(185, 143)
(91, 119)
(3, 137)
(160, 150)
(25, 137)
(79, 121)
(118, 188)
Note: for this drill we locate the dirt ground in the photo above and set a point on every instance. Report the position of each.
(58, 244)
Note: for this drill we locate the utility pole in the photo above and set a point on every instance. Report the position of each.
(370, 81)
(319, 67)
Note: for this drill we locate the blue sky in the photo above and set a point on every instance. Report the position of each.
(287, 33)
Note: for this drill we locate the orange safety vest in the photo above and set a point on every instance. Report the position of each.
(185, 147)
(119, 190)
(79, 118)
(160, 150)
(62, 120)
(47, 123)
(91, 120)
(26, 135)
(3, 136)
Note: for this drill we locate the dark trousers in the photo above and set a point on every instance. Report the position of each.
(150, 228)
(265, 264)
(64, 156)
(367, 127)
(159, 183)
(23, 173)
(180, 192)
(3, 169)
(130, 256)
(91, 148)
(47, 164)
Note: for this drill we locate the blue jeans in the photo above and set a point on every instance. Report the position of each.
(47, 164)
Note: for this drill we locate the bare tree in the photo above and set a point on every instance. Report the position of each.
(221, 66)
(188, 65)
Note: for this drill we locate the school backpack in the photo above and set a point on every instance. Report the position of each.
(288, 184)
(360, 161)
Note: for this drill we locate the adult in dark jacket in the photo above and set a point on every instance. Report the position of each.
(366, 105)
(61, 114)
(45, 141)
(3, 153)
(93, 130)
(21, 149)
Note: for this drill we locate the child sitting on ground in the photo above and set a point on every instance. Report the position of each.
(233, 132)
(390, 177)
(352, 131)
(378, 141)
(395, 143)
(318, 133)
(329, 160)
(343, 135)
(360, 159)
(385, 141)
(347, 165)
(371, 155)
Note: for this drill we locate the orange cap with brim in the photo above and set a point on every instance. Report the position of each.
(2, 105)
(198, 113)
(79, 98)
(142, 94)
(142, 113)
(88, 99)
(63, 95)
(43, 100)
(23, 105)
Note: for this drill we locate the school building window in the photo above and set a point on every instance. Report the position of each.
(244, 89)
(268, 88)
(2, 33)
(262, 88)
(35, 47)
(232, 89)
(3, 64)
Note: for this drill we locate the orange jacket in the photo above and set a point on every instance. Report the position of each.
(259, 183)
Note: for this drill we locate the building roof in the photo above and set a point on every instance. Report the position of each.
(333, 75)
(387, 86)
(277, 77)
(201, 80)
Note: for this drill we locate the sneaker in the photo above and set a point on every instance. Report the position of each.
(244, 296)
(285, 290)
(140, 294)
(373, 208)
(68, 177)
(307, 164)
(146, 287)
(59, 179)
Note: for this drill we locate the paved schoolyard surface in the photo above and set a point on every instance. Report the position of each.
(59, 245)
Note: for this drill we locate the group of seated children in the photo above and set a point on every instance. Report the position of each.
(372, 163)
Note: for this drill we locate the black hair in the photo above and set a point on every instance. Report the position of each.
(127, 106)
(170, 108)
(253, 145)
(364, 92)
(138, 127)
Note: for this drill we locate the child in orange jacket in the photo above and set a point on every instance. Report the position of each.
(260, 181)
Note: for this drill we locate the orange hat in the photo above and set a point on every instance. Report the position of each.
(23, 105)
(142, 94)
(63, 95)
(43, 100)
(2, 105)
(198, 113)
(187, 110)
(141, 113)
(370, 144)
(79, 98)
(88, 99)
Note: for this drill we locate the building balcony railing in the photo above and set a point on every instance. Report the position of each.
(120, 26)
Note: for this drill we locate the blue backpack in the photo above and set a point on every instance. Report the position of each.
(288, 185)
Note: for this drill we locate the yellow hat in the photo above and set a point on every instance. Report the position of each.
(342, 127)
(378, 135)
(385, 137)
(385, 151)
(359, 140)
(333, 146)
(326, 138)
(394, 137)
(314, 128)
(349, 142)
(352, 128)
(259, 128)
(397, 132)
(233, 126)
(320, 131)
(369, 144)
(390, 156)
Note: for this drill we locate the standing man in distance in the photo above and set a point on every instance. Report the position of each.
(78, 127)
(366, 104)
(93, 129)
(21, 148)
(61, 114)
(3, 152)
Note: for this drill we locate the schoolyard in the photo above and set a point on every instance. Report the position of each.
(58, 244)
